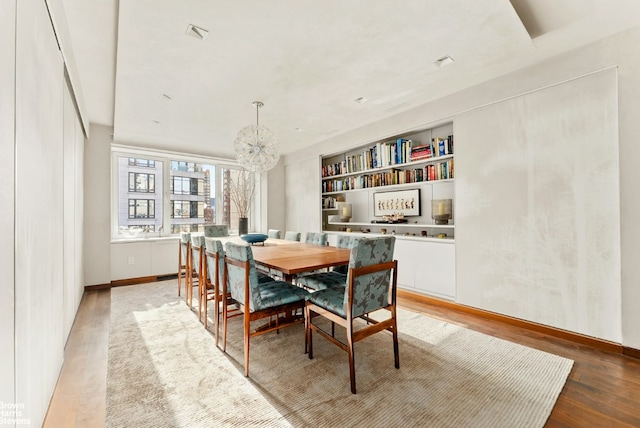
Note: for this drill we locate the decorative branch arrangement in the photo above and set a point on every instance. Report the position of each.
(241, 190)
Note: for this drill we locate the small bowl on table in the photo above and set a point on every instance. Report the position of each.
(254, 238)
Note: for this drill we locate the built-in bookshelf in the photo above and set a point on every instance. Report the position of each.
(415, 172)
(422, 159)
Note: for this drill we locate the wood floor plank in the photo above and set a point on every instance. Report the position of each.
(602, 390)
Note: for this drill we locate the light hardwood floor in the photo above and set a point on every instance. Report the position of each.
(603, 389)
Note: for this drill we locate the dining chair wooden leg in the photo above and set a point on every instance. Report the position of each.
(188, 287)
(179, 267)
(225, 315)
(216, 311)
(200, 296)
(309, 333)
(247, 328)
(205, 308)
(306, 330)
(396, 353)
(352, 365)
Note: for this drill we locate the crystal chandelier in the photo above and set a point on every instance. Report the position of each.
(257, 148)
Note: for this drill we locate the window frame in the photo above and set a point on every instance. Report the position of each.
(151, 178)
(167, 157)
(151, 213)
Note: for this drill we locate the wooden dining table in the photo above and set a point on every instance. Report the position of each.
(292, 258)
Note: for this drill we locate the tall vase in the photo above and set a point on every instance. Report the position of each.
(243, 225)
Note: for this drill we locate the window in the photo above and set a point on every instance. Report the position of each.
(191, 192)
(183, 166)
(161, 194)
(142, 208)
(188, 209)
(142, 182)
(145, 163)
(188, 186)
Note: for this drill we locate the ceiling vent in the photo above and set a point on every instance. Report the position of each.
(444, 61)
(197, 32)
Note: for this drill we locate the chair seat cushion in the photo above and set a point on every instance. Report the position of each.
(341, 269)
(323, 280)
(276, 293)
(263, 277)
(331, 299)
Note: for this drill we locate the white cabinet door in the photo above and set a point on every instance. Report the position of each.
(404, 253)
(435, 270)
(427, 267)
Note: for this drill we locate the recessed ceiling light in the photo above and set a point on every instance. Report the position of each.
(197, 32)
(445, 60)
(165, 96)
(360, 100)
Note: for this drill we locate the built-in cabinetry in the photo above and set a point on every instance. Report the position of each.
(408, 176)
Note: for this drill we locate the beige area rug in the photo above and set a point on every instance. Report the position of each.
(165, 371)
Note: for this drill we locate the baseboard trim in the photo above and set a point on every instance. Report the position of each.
(131, 281)
(97, 287)
(631, 352)
(517, 322)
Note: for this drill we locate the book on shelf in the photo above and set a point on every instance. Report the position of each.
(389, 153)
(437, 171)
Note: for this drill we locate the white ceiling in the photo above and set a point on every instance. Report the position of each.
(306, 60)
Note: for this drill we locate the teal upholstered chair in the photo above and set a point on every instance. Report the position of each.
(216, 230)
(323, 280)
(288, 236)
(292, 236)
(274, 234)
(316, 238)
(212, 290)
(197, 256)
(256, 300)
(213, 268)
(343, 241)
(371, 285)
(184, 261)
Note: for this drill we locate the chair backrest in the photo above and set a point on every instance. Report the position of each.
(274, 233)
(344, 241)
(197, 243)
(185, 241)
(370, 291)
(239, 259)
(214, 247)
(316, 238)
(292, 236)
(216, 230)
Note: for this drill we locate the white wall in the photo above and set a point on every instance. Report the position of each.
(619, 50)
(97, 206)
(73, 276)
(302, 184)
(625, 48)
(7, 225)
(39, 209)
(274, 198)
(538, 207)
(41, 170)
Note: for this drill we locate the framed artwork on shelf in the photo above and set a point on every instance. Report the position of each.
(404, 203)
